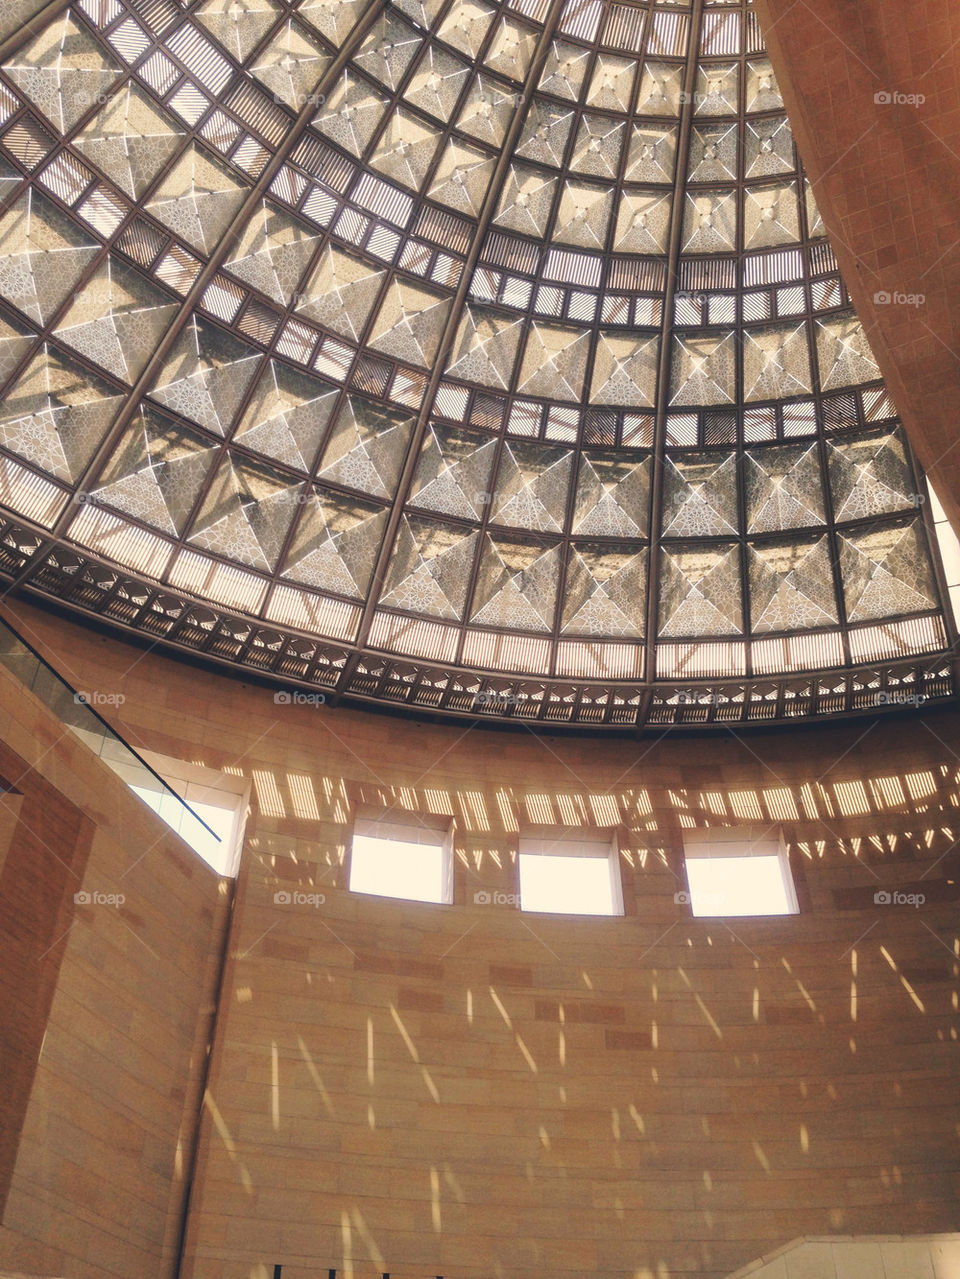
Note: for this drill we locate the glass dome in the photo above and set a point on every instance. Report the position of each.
(488, 359)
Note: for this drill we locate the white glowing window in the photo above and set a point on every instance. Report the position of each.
(949, 551)
(738, 871)
(218, 800)
(391, 857)
(563, 873)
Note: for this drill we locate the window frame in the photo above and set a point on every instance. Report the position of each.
(741, 843)
(186, 779)
(402, 826)
(562, 841)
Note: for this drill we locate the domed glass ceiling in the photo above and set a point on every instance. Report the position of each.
(485, 357)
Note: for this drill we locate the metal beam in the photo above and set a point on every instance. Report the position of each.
(453, 320)
(219, 256)
(674, 245)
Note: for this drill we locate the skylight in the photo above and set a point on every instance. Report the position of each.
(647, 443)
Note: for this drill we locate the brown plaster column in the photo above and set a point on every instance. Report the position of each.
(873, 92)
(42, 869)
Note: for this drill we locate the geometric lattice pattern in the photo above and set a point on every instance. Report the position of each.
(496, 336)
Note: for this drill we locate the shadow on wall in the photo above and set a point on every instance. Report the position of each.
(897, 818)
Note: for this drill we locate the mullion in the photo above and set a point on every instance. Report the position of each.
(569, 544)
(451, 326)
(391, 273)
(396, 99)
(577, 109)
(823, 458)
(740, 332)
(674, 251)
(206, 276)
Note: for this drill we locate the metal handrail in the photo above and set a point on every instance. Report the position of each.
(11, 640)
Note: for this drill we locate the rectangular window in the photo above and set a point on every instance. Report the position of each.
(738, 871)
(566, 873)
(949, 551)
(402, 855)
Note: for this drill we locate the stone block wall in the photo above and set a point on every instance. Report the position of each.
(473, 1091)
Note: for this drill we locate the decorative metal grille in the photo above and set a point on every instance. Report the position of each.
(488, 358)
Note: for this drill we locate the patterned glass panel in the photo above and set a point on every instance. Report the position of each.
(412, 331)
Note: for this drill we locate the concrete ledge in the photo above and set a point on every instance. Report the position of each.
(859, 1257)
